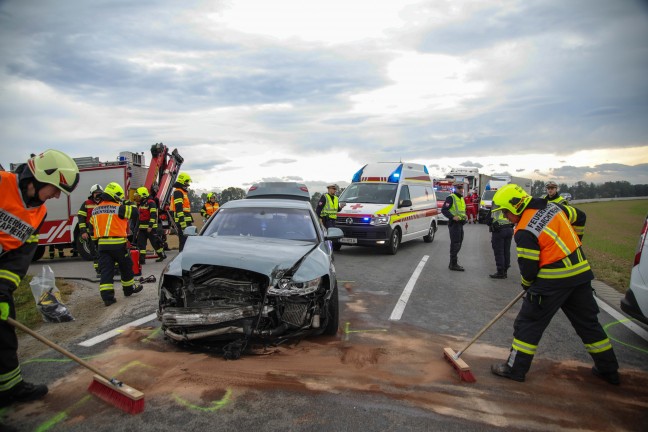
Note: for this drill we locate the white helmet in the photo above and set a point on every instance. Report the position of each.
(95, 188)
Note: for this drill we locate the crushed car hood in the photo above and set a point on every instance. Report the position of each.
(250, 253)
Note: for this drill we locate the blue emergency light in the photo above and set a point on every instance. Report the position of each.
(393, 178)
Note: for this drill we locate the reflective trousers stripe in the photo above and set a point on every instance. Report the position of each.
(524, 347)
(599, 347)
(10, 276)
(10, 379)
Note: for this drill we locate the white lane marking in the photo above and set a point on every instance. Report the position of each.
(397, 313)
(112, 333)
(623, 320)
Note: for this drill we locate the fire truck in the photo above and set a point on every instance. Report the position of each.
(60, 228)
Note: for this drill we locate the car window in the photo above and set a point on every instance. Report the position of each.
(289, 224)
(488, 195)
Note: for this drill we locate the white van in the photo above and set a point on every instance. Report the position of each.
(386, 204)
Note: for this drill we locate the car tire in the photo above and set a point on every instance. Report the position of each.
(332, 314)
(394, 242)
(429, 238)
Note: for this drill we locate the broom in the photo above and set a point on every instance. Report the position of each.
(108, 389)
(461, 366)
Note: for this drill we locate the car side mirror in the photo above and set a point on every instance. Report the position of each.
(190, 231)
(406, 203)
(333, 234)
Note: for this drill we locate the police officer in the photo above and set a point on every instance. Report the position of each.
(22, 211)
(501, 236)
(84, 213)
(182, 207)
(328, 206)
(110, 221)
(552, 193)
(454, 208)
(148, 223)
(556, 275)
(577, 220)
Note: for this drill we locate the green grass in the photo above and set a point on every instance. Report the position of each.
(611, 237)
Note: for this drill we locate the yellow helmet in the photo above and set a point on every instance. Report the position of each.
(142, 191)
(184, 179)
(512, 198)
(55, 168)
(115, 191)
(211, 194)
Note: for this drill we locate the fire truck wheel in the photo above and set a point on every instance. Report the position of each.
(40, 251)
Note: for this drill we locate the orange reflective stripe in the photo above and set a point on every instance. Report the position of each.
(17, 222)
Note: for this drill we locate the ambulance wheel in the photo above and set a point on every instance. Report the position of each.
(83, 248)
(40, 251)
(392, 247)
(429, 238)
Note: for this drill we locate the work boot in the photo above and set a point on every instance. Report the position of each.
(498, 275)
(161, 256)
(22, 392)
(504, 370)
(128, 291)
(109, 301)
(456, 267)
(610, 377)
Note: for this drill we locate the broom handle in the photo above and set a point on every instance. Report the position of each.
(487, 326)
(58, 348)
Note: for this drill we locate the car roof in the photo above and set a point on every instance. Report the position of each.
(267, 202)
(279, 190)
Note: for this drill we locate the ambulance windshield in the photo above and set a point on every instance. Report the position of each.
(370, 193)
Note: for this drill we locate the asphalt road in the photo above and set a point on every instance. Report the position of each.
(443, 305)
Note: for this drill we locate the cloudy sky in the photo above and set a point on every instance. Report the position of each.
(252, 90)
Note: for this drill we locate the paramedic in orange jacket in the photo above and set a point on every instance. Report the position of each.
(556, 275)
(22, 211)
(110, 221)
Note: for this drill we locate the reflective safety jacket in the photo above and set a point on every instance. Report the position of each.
(500, 220)
(549, 250)
(148, 213)
(19, 227)
(181, 208)
(454, 205)
(110, 222)
(556, 199)
(330, 209)
(84, 214)
(209, 209)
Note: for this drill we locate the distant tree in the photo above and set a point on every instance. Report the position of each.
(315, 199)
(538, 189)
(231, 194)
(195, 201)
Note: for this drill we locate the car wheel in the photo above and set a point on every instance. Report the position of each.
(333, 314)
(40, 251)
(337, 246)
(430, 237)
(392, 247)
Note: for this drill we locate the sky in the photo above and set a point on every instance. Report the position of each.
(310, 91)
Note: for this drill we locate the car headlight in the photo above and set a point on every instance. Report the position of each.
(379, 220)
(288, 287)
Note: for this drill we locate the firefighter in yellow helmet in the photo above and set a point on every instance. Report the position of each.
(181, 206)
(22, 210)
(110, 221)
(556, 275)
(148, 224)
(210, 207)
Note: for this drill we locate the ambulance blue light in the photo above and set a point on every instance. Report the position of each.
(393, 178)
(357, 176)
(366, 219)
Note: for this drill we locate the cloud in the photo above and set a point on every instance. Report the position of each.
(274, 162)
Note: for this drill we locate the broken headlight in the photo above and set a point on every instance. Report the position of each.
(288, 287)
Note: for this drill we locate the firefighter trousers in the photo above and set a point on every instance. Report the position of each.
(538, 308)
(9, 366)
(501, 243)
(143, 237)
(107, 258)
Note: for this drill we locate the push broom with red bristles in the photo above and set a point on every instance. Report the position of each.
(103, 386)
(461, 366)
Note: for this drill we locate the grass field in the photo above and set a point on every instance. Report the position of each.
(611, 236)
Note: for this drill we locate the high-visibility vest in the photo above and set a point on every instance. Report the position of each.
(458, 207)
(106, 221)
(557, 199)
(210, 208)
(500, 220)
(17, 222)
(331, 207)
(557, 240)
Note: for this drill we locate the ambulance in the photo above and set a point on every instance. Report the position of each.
(388, 203)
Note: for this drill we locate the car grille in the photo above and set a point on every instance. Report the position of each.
(342, 221)
(224, 287)
(294, 313)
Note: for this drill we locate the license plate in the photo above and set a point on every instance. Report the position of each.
(348, 240)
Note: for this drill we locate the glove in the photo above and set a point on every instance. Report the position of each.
(4, 311)
(524, 287)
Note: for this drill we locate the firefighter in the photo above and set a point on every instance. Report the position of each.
(328, 206)
(22, 211)
(84, 214)
(210, 207)
(181, 207)
(556, 275)
(501, 236)
(454, 208)
(110, 221)
(148, 223)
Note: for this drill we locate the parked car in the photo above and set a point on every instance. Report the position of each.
(566, 196)
(635, 302)
(283, 190)
(259, 272)
(441, 197)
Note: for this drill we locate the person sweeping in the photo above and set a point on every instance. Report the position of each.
(22, 211)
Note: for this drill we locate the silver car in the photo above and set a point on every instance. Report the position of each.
(635, 302)
(259, 272)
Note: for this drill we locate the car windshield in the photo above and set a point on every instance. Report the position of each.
(488, 195)
(370, 193)
(279, 223)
